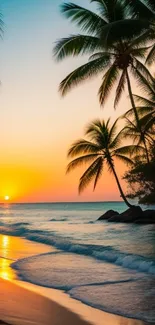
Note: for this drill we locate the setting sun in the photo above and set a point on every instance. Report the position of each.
(6, 198)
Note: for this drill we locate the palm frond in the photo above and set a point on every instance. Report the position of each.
(99, 171)
(141, 110)
(116, 141)
(109, 80)
(124, 159)
(112, 131)
(120, 88)
(80, 161)
(102, 6)
(87, 20)
(82, 146)
(95, 128)
(135, 136)
(101, 54)
(145, 101)
(148, 121)
(144, 71)
(129, 150)
(93, 171)
(151, 56)
(88, 70)
(125, 29)
(113, 10)
(141, 40)
(98, 132)
(142, 81)
(76, 45)
(140, 52)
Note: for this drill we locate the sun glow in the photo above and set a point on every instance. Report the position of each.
(6, 198)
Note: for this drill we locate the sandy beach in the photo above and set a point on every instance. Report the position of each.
(24, 303)
(21, 306)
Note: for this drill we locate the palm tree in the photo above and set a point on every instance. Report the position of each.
(131, 130)
(148, 102)
(114, 49)
(102, 146)
(146, 113)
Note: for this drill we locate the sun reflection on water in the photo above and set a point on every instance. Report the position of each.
(5, 271)
(5, 242)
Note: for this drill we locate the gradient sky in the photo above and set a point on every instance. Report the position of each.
(37, 126)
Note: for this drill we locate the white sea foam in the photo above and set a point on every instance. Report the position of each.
(103, 253)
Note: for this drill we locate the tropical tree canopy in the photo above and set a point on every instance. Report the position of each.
(101, 146)
(109, 55)
(141, 179)
(118, 40)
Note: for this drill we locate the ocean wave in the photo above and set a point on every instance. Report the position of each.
(19, 224)
(103, 253)
(58, 220)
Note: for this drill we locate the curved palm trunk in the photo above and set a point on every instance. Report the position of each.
(136, 114)
(120, 188)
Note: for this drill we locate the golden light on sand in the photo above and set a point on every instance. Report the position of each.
(6, 197)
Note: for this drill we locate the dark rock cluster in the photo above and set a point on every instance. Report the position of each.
(133, 215)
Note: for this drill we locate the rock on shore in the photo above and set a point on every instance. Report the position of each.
(133, 215)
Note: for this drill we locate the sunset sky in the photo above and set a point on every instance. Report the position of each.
(37, 126)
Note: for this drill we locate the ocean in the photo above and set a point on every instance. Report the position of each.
(110, 266)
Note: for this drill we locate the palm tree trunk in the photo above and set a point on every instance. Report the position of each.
(119, 186)
(136, 114)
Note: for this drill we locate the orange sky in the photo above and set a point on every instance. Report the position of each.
(37, 126)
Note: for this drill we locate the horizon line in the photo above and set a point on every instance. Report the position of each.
(60, 202)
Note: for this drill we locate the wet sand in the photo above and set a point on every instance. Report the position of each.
(20, 306)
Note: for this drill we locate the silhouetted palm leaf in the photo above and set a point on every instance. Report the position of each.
(151, 56)
(93, 171)
(144, 101)
(82, 146)
(125, 160)
(80, 161)
(120, 88)
(141, 110)
(85, 19)
(79, 75)
(75, 45)
(109, 79)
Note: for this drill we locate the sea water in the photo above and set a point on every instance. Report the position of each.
(110, 266)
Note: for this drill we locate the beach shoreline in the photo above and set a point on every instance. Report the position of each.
(39, 305)
(15, 292)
